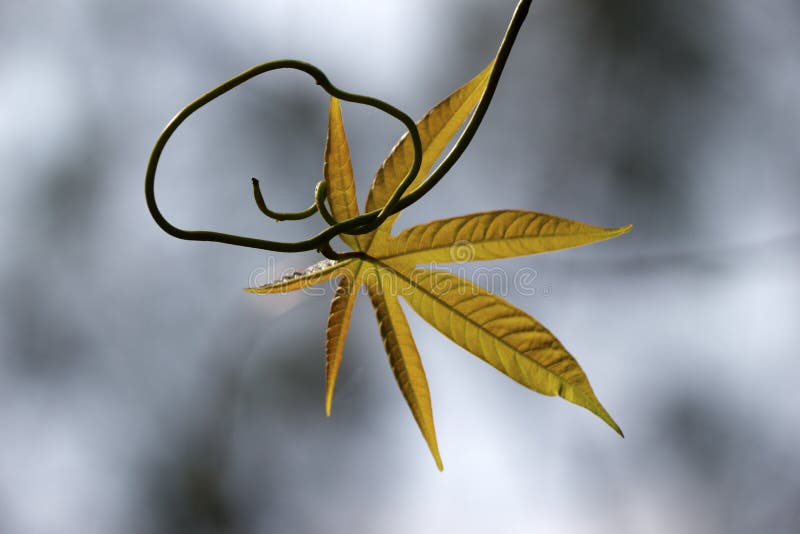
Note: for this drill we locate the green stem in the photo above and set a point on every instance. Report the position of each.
(323, 237)
(468, 134)
(278, 215)
(319, 199)
(357, 225)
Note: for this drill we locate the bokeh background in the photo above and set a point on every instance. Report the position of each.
(141, 391)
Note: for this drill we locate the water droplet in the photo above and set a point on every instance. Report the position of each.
(319, 266)
(289, 275)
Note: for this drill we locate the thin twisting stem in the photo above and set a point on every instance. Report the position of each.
(319, 197)
(321, 238)
(467, 135)
(278, 215)
(327, 251)
(356, 225)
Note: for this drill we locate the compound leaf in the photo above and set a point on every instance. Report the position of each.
(484, 324)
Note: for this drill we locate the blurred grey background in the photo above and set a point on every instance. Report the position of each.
(141, 391)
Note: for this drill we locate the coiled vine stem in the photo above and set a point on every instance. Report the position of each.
(361, 224)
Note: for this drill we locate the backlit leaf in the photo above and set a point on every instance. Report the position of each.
(403, 357)
(336, 333)
(502, 335)
(338, 172)
(319, 272)
(484, 324)
(491, 235)
(436, 130)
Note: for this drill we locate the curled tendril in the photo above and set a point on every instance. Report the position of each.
(278, 215)
(360, 224)
(326, 235)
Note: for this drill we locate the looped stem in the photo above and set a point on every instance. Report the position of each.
(460, 146)
(320, 194)
(356, 225)
(279, 246)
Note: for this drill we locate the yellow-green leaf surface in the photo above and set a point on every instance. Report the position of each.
(504, 336)
(338, 172)
(484, 324)
(319, 272)
(490, 235)
(436, 130)
(336, 333)
(403, 357)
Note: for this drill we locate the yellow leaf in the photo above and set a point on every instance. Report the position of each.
(491, 235)
(436, 130)
(338, 172)
(336, 333)
(484, 324)
(319, 272)
(403, 357)
(502, 335)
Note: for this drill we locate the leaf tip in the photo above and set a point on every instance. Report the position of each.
(624, 229)
(615, 426)
(618, 430)
(439, 464)
(434, 448)
(616, 232)
(611, 233)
